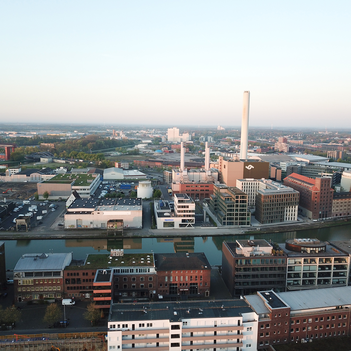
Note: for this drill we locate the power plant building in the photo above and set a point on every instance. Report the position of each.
(232, 170)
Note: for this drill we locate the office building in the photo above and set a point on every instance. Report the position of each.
(230, 206)
(276, 203)
(252, 265)
(313, 264)
(40, 276)
(316, 195)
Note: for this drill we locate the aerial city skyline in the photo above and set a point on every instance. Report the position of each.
(190, 62)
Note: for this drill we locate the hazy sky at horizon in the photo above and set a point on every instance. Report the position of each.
(176, 62)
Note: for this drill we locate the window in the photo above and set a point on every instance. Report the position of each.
(175, 327)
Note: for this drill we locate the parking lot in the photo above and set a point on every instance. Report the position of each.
(39, 212)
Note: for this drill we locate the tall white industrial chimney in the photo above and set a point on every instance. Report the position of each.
(182, 157)
(245, 127)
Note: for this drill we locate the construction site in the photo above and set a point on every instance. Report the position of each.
(17, 191)
(54, 342)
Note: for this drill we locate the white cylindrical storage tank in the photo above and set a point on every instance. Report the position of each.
(145, 190)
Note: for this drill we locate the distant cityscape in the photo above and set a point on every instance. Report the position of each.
(141, 182)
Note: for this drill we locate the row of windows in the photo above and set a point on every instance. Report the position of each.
(321, 335)
(45, 288)
(134, 286)
(79, 287)
(38, 281)
(292, 330)
(76, 274)
(133, 279)
(320, 319)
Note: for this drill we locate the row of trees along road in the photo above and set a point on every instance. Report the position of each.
(53, 314)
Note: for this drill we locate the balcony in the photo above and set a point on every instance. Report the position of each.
(212, 329)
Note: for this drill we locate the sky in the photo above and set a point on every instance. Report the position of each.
(184, 62)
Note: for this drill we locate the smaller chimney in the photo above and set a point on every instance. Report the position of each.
(182, 152)
(207, 158)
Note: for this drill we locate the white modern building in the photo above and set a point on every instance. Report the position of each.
(114, 173)
(174, 136)
(182, 215)
(197, 325)
(104, 214)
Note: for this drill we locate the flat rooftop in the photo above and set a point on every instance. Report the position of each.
(105, 261)
(68, 178)
(43, 262)
(319, 298)
(272, 299)
(253, 243)
(178, 311)
(329, 251)
(103, 276)
(183, 197)
(181, 261)
(105, 204)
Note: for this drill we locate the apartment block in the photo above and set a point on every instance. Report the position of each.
(212, 325)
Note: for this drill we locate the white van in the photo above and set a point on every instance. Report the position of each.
(68, 302)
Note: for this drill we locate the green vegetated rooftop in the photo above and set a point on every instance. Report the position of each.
(101, 261)
(78, 179)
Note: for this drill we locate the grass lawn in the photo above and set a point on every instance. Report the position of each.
(332, 344)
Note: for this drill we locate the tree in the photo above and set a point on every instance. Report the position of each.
(46, 195)
(133, 194)
(157, 193)
(52, 314)
(10, 316)
(92, 314)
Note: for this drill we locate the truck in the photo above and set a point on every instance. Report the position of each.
(125, 186)
(68, 302)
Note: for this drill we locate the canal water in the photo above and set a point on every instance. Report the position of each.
(211, 246)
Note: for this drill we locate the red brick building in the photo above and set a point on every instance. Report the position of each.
(316, 195)
(186, 274)
(300, 316)
(194, 190)
(40, 276)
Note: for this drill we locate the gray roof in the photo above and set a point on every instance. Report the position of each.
(43, 262)
(257, 304)
(181, 261)
(177, 311)
(319, 298)
(276, 158)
